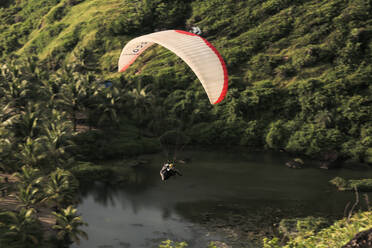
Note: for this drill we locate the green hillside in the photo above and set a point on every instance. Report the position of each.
(300, 71)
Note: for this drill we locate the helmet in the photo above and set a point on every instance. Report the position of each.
(171, 165)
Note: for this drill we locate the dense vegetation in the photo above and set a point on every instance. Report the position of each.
(36, 193)
(336, 235)
(361, 184)
(300, 71)
(300, 74)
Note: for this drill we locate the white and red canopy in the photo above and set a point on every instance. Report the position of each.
(197, 52)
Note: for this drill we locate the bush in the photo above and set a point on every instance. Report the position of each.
(308, 226)
(312, 140)
(360, 184)
(340, 183)
(354, 149)
(253, 134)
(368, 156)
(285, 71)
(277, 135)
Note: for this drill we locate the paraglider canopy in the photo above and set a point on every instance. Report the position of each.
(202, 57)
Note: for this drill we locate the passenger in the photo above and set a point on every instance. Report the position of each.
(168, 170)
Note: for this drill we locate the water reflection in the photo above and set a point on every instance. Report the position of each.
(247, 188)
(126, 220)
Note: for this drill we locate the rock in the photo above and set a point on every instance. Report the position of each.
(295, 163)
(360, 240)
(325, 166)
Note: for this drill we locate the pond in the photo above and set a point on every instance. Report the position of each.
(222, 196)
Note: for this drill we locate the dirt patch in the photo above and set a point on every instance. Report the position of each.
(11, 178)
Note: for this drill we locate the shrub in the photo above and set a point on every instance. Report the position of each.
(171, 244)
(340, 183)
(277, 135)
(353, 149)
(359, 184)
(308, 226)
(253, 134)
(368, 155)
(285, 71)
(312, 140)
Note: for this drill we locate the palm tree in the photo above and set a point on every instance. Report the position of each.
(28, 195)
(31, 153)
(76, 90)
(7, 116)
(110, 105)
(56, 139)
(141, 102)
(29, 176)
(60, 188)
(6, 151)
(29, 185)
(27, 125)
(47, 91)
(22, 228)
(15, 92)
(71, 100)
(68, 225)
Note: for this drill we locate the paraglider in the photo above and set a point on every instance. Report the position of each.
(202, 57)
(168, 170)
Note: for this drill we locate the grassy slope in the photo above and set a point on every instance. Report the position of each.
(250, 35)
(257, 40)
(317, 47)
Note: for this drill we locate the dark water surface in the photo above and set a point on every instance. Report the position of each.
(147, 211)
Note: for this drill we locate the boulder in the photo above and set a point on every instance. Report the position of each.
(296, 163)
